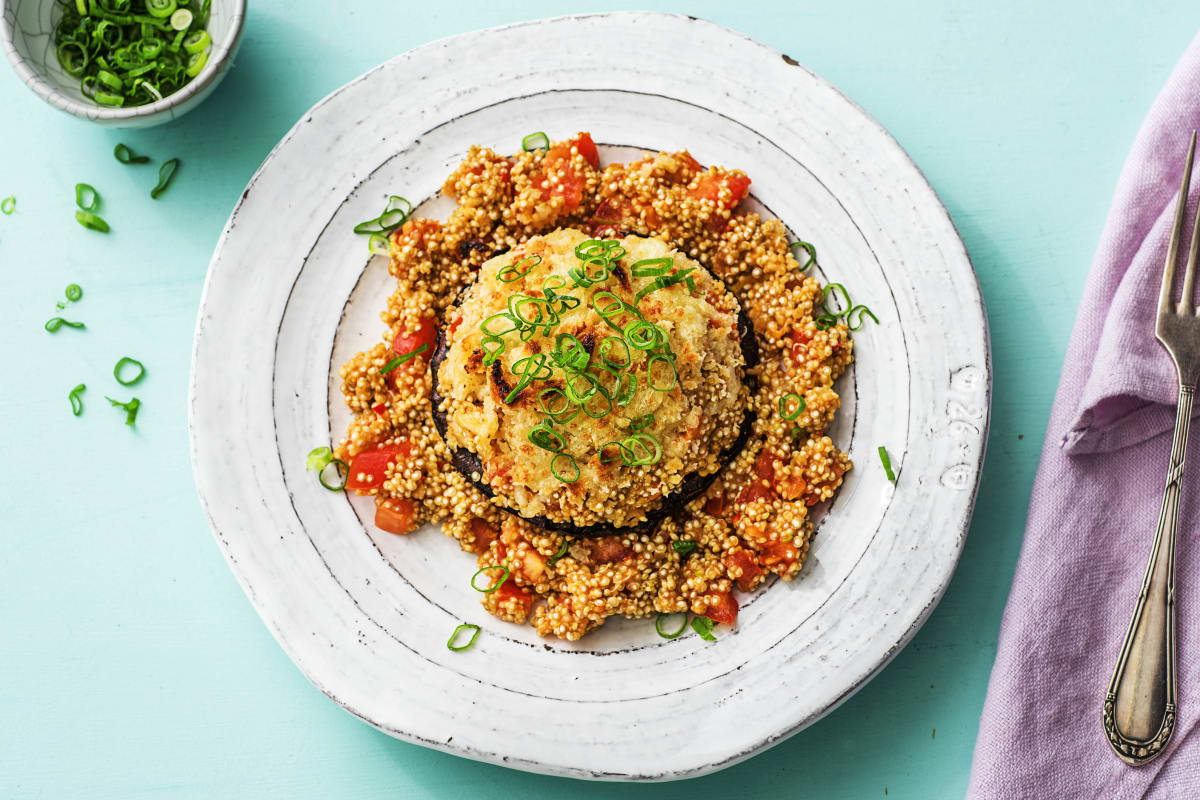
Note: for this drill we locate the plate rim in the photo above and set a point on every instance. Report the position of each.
(960, 252)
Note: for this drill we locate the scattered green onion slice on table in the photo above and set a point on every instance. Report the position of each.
(340, 468)
(463, 627)
(8, 204)
(54, 323)
(704, 626)
(90, 221)
(318, 458)
(791, 406)
(74, 292)
(887, 464)
(126, 360)
(854, 323)
(86, 197)
(844, 304)
(402, 359)
(76, 399)
(503, 577)
(378, 245)
(165, 173)
(535, 141)
(131, 408)
(126, 156)
(562, 551)
(658, 621)
(684, 546)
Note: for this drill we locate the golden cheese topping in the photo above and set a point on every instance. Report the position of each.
(590, 378)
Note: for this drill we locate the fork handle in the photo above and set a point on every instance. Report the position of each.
(1139, 709)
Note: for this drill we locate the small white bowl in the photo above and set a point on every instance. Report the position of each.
(27, 35)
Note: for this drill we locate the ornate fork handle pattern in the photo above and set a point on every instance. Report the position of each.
(1139, 709)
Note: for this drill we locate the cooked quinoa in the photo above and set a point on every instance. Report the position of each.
(752, 522)
(684, 413)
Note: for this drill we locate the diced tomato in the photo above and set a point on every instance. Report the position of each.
(416, 232)
(724, 609)
(484, 535)
(712, 185)
(744, 560)
(396, 516)
(609, 550)
(368, 469)
(778, 553)
(715, 505)
(693, 164)
(379, 408)
(764, 470)
(408, 341)
(792, 487)
(569, 184)
(509, 592)
(457, 321)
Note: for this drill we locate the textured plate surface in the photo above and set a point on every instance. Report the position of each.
(290, 296)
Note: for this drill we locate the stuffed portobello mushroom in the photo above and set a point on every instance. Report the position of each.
(593, 386)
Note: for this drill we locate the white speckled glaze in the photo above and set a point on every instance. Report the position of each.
(291, 294)
(27, 35)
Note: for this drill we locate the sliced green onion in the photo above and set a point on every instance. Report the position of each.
(196, 41)
(566, 470)
(511, 272)
(660, 386)
(831, 291)
(340, 469)
(90, 221)
(467, 646)
(887, 464)
(127, 156)
(529, 369)
(854, 323)
(395, 213)
(791, 406)
(658, 620)
(181, 20)
(807, 248)
(141, 371)
(606, 344)
(108, 98)
(161, 8)
(797, 432)
(497, 585)
(74, 292)
(54, 323)
(825, 322)
(651, 267)
(378, 245)
(622, 453)
(639, 423)
(562, 551)
(684, 546)
(643, 449)
(318, 458)
(195, 63)
(561, 412)
(703, 626)
(73, 57)
(131, 408)
(535, 141)
(110, 80)
(87, 197)
(546, 438)
(165, 173)
(8, 204)
(402, 359)
(76, 399)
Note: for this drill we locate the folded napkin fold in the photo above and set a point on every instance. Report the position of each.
(1093, 509)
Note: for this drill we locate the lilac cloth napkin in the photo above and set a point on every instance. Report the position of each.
(1094, 505)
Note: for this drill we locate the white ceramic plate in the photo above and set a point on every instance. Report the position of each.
(291, 295)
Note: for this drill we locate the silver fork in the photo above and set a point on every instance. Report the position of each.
(1139, 709)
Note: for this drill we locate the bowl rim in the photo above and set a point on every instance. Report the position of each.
(46, 90)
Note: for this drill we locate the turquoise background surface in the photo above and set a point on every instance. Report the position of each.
(131, 662)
